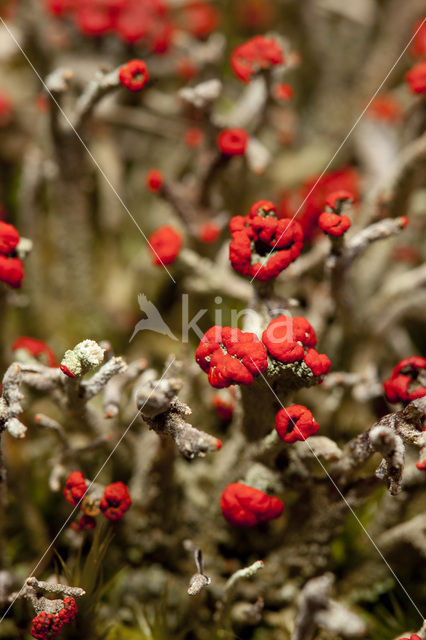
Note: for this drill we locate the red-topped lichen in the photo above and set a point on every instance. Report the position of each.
(9, 238)
(164, 245)
(262, 246)
(35, 347)
(224, 403)
(295, 423)
(134, 75)
(115, 501)
(209, 232)
(69, 610)
(333, 221)
(255, 55)
(407, 381)
(154, 180)
(292, 341)
(283, 92)
(11, 267)
(46, 626)
(244, 506)
(83, 523)
(232, 142)
(230, 356)
(333, 224)
(75, 487)
(386, 108)
(416, 78)
(307, 202)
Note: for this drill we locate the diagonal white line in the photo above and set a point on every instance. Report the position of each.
(34, 569)
(92, 157)
(349, 506)
(345, 139)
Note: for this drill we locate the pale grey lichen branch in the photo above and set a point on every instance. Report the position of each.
(199, 580)
(388, 435)
(242, 574)
(102, 84)
(391, 446)
(318, 610)
(53, 587)
(411, 532)
(68, 453)
(115, 386)
(34, 589)
(10, 402)
(85, 357)
(376, 231)
(114, 366)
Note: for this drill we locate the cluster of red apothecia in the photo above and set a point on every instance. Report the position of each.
(35, 348)
(231, 356)
(150, 23)
(416, 77)
(113, 504)
(11, 267)
(46, 626)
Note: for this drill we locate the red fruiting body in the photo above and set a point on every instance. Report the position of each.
(94, 19)
(232, 142)
(262, 246)
(413, 636)
(230, 356)
(262, 208)
(386, 108)
(224, 403)
(65, 370)
(115, 501)
(333, 224)
(421, 465)
(416, 78)
(193, 137)
(283, 92)
(295, 423)
(134, 21)
(35, 347)
(308, 201)
(11, 268)
(209, 232)
(85, 522)
(335, 200)
(200, 18)
(164, 245)
(254, 55)
(293, 340)
(6, 109)
(134, 75)
(244, 506)
(9, 238)
(75, 487)
(154, 180)
(418, 46)
(403, 384)
(69, 610)
(46, 626)
(11, 271)
(319, 363)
